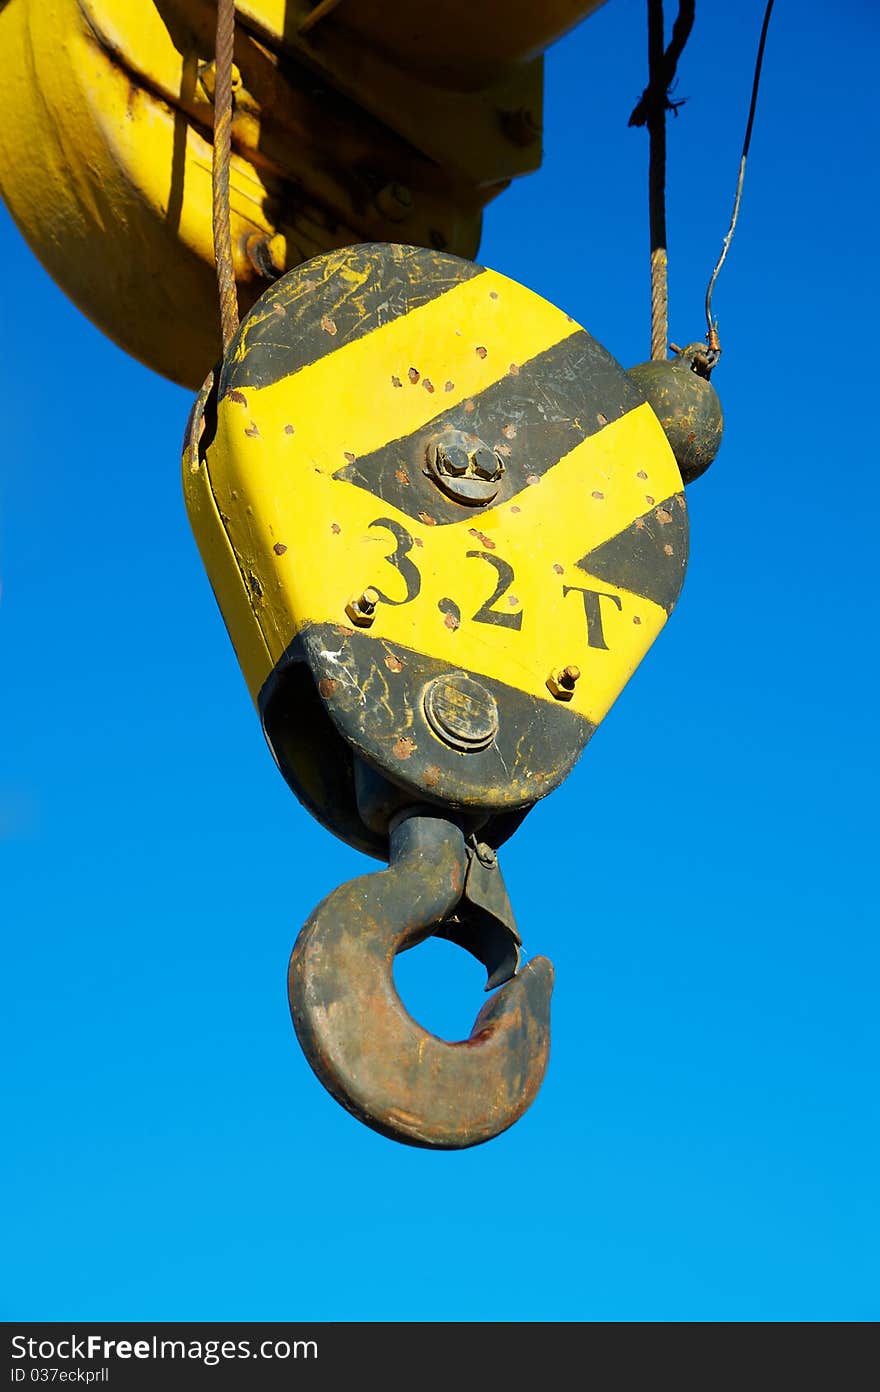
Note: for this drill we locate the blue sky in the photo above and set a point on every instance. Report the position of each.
(705, 1145)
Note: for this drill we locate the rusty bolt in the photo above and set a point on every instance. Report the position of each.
(453, 460)
(465, 467)
(562, 682)
(487, 464)
(362, 609)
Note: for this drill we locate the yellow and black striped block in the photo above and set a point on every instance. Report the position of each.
(307, 483)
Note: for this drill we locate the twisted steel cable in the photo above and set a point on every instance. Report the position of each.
(650, 111)
(220, 170)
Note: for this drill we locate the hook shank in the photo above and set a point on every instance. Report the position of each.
(363, 1045)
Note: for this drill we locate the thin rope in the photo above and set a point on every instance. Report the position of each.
(220, 170)
(650, 111)
(712, 325)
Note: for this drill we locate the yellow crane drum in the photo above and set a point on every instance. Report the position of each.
(443, 527)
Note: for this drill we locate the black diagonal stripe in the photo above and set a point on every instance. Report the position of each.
(534, 415)
(649, 557)
(333, 300)
(315, 723)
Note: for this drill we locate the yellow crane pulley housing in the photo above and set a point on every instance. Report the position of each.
(443, 527)
(352, 122)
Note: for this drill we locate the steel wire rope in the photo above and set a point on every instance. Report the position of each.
(712, 325)
(223, 53)
(650, 111)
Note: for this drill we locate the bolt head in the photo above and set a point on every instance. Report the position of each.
(362, 609)
(395, 202)
(486, 463)
(562, 681)
(464, 467)
(452, 460)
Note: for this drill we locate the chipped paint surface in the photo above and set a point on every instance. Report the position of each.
(386, 582)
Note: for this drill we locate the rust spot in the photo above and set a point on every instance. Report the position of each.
(509, 432)
(418, 541)
(335, 528)
(279, 548)
(667, 549)
(327, 686)
(663, 516)
(403, 747)
(601, 418)
(481, 537)
(396, 382)
(450, 386)
(343, 630)
(413, 375)
(641, 474)
(237, 396)
(481, 352)
(279, 310)
(470, 407)
(476, 1039)
(451, 622)
(255, 586)
(349, 457)
(328, 324)
(428, 384)
(513, 370)
(639, 524)
(393, 663)
(493, 294)
(649, 499)
(532, 479)
(597, 494)
(428, 520)
(431, 775)
(512, 601)
(636, 619)
(679, 498)
(401, 475)
(252, 429)
(558, 568)
(503, 449)
(288, 430)
(515, 508)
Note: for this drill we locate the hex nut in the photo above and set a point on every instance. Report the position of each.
(562, 682)
(362, 609)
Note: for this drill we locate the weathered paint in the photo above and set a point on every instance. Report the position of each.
(326, 409)
(106, 150)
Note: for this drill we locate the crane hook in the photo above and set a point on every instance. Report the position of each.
(353, 1028)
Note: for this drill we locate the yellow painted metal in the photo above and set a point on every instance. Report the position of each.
(230, 586)
(105, 145)
(474, 43)
(302, 542)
